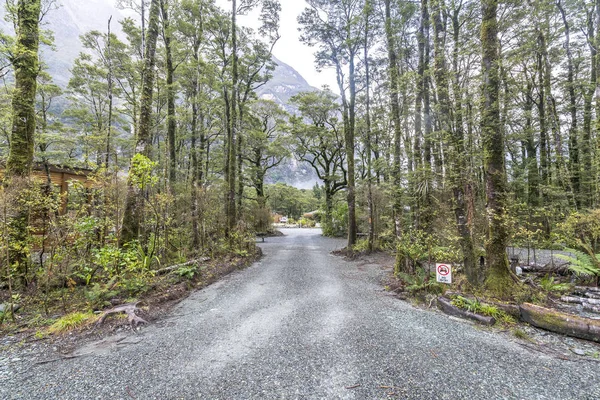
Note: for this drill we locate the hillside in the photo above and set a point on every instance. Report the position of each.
(67, 22)
(285, 84)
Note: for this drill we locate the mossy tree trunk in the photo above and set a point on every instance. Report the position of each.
(499, 279)
(25, 62)
(135, 198)
(171, 121)
(457, 164)
(395, 109)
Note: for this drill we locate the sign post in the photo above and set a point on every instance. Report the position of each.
(443, 273)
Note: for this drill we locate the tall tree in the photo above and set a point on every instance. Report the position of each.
(456, 152)
(337, 28)
(25, 61)
(499, 279)
(320, 143)
(135, 200)
(395, 110)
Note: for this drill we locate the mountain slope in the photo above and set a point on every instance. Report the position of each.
(285, 84)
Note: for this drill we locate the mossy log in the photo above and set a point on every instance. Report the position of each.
(446, 306)
(559, 322)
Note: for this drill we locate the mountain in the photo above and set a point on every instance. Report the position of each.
(67, 21)
(285, 84)
(72, 19)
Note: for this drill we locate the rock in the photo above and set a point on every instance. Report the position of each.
(579, 352)
(5, 307)
(519, 271)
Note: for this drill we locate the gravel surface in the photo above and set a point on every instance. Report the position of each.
(301, 324)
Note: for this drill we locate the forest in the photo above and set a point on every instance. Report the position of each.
(457, 129)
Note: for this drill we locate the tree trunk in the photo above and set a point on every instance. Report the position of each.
(26, 66)
(232, 132)
(25, 62)
(135, 199)
(573, 141)
(585, 149)
(371, 238)
(395, 109)
(533, 175)
(352, 227)
(171, 122)
(499, 279)
(456, 149)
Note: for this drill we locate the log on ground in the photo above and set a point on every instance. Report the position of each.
(445, 305)
(559, 322)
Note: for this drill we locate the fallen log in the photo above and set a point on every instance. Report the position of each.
(584, 289)
(128, 309)
(593, 295)
(579, 300)
(167, 270)
(572, 299)
(550, 268)
(591, 308)
(559, 322)
(446, 306)
(510, 309)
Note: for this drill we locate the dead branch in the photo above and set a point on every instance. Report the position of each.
(166, 270)
(128, 309)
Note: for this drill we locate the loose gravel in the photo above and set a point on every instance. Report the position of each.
(301, 324)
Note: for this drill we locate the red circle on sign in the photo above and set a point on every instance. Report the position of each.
(443, 270)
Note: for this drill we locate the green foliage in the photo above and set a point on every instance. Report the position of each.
(141, 173)
(549, 284)
(187, 272)
(290, 201)
(421, 281)
(362, 245)
(98, 295)
(475, 306)
(582, 263)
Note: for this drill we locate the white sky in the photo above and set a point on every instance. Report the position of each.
(289, 49)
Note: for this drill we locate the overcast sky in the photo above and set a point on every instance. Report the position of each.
(289, 49)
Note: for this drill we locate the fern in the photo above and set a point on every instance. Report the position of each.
(582, 263)
(549, 284)
(420, 282)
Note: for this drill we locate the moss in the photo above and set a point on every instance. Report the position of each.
(501, 285)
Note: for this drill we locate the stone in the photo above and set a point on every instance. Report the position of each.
(579, 352)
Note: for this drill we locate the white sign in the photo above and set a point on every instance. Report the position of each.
(443, 273)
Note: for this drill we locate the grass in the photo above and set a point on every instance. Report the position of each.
(475, 306)
(72, 321)
(521, 334)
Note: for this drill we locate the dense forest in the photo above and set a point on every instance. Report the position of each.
(458, 128)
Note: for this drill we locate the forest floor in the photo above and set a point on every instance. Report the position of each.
(163, 293)
(302, 323)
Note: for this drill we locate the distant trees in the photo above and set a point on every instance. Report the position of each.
(320, 142)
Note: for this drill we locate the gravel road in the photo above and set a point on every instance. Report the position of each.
(302, 324)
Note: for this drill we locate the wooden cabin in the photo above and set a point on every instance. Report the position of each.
(60, 177)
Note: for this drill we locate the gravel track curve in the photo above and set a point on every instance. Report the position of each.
(303, 324)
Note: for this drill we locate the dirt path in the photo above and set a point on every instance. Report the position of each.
(302, 324)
